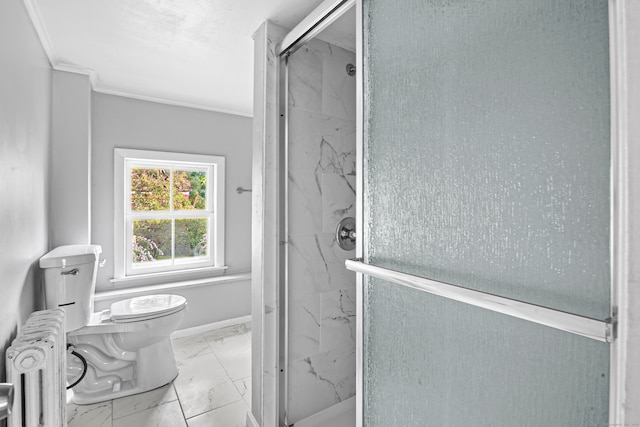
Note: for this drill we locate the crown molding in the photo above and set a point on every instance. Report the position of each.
(167, 101)
(38, 23)
(36, 19)
(45, 40)
(75, 69)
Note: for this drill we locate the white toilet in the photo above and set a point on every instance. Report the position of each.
(127, 347)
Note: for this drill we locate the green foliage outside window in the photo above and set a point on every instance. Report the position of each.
(150, 189)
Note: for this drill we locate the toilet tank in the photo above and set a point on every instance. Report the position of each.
(70, 280)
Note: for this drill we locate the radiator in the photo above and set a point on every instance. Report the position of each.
(36, 365)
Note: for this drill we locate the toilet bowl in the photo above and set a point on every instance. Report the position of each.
(126, 354)
(120, 351)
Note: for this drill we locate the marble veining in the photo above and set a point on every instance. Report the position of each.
(125, 406)
(340, 163)
(98, 415)
(316, 264)
(305, 194)
(321, 191)
(329, 374)
(308, 130)
(244, 388)
(339, 202)
(212, 388)
(320, 177)
(168, 414)
(338, 327)
(305, 314)
(311, 371)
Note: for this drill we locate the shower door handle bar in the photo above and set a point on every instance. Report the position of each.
(587, 327)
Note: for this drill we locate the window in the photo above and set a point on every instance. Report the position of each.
(169, 212)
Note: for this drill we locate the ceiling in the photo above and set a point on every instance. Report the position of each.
(197, 53)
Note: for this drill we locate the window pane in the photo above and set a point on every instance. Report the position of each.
(189, 189)
(191, 237)
(151, 240)
(149, 189)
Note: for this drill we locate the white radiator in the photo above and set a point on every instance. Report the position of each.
(36, 364)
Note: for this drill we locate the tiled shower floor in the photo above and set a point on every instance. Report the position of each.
(213, 388)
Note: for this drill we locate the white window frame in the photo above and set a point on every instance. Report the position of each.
(124, 159)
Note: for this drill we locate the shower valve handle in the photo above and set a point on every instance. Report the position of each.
(346, 234)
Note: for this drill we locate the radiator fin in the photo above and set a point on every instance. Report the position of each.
(36, 362)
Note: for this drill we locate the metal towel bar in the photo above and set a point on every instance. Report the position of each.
(591, 328)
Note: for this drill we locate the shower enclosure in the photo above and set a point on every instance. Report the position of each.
(485, 223)
(486, 219)
(317, 323)
(308, 168)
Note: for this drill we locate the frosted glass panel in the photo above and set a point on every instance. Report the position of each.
(488, 146)
(437, 362)
(486, 166)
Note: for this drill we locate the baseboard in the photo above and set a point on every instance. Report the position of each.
(210, 327)
(251, 421)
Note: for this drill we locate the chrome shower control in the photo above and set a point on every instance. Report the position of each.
(346, 234)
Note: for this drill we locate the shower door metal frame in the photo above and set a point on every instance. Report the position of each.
(619, 14)
(283, 252)
(319, 19)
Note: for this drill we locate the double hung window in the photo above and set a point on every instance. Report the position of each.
(170, 209)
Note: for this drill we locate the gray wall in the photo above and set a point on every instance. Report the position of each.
(129, 123)
(70, 159)
(25, 113)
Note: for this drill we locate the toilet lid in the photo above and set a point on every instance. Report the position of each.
(146, 307)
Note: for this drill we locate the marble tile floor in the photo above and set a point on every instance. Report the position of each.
(212, 389)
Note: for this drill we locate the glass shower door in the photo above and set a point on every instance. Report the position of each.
(486, 164)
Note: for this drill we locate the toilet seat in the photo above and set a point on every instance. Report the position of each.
(146, 307)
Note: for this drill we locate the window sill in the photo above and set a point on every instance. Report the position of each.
(168, 276)
(105, 297)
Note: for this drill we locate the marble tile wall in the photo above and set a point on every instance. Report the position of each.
(321, 184)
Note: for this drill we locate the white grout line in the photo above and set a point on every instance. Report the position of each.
(201, 330)
(190, 332)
